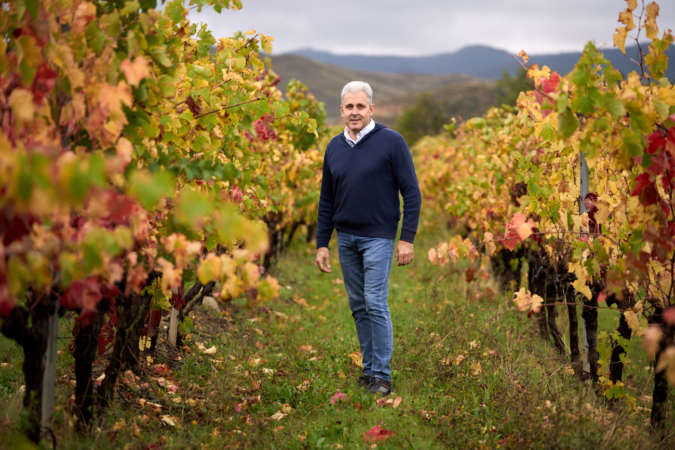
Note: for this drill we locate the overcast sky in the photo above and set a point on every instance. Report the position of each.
(423, 27)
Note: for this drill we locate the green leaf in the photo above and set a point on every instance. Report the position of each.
(160, 56)
(634, 142)
(111, 23)
(547, 132)
(149, 188)
(32, 7)
(662, 108)
(167, 85)
(192, 206)
(130, 8)
(203, 72)
(238, 63)
(567, 123)
(175, 11)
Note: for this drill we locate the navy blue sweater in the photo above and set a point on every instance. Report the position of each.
(360, 187)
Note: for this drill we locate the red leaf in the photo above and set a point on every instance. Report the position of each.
(337, 397)
(176, 300)
(649, 195)
(44, 81)
(377, 434)
(641, 181)
(655, 141)
(82, 294)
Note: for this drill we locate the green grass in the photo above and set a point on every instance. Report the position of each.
(495, 397)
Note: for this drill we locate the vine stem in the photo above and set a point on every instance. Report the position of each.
(228, 107)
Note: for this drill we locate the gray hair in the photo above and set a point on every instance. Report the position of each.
(355, 87)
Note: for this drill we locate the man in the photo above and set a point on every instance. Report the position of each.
(364, 170)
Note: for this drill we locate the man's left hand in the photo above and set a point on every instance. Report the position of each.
(404, 253)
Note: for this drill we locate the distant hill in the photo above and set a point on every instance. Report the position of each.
(478, 61)
(463, 95)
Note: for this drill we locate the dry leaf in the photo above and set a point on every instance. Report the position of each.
(278, 416)
(357, 358)
(397, 402)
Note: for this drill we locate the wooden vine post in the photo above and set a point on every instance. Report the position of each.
(49, 374)
(173, 327)
(583, 191)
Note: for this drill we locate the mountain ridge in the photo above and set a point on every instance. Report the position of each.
(480, 61)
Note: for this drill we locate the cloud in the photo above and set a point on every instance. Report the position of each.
(423, 27)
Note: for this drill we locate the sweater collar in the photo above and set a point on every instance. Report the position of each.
(364, 137)
(367, 129)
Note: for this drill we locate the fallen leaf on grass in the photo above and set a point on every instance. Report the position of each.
(135, 430)
(306, 348)
(301, 301)
(286, 408)
(388, 402)
(303, 387)
(206, 351)
(170, 420)
(337, 397)
(377, 434)
(357, 358)
(476, 369)
(459, 359)
(342, 375)
(280, 315)
(255, 385)
(278, 416)
(337, 281)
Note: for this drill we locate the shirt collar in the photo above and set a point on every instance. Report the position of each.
(367, 129)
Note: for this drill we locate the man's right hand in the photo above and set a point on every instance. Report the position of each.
(323, 260)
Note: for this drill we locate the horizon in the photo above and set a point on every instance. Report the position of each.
(442, 53)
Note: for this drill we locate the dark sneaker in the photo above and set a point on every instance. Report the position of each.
(379, 386)
(364, 381)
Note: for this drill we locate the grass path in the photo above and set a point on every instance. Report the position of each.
(470, 371)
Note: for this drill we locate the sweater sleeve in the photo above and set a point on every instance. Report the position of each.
(326, 207)
(404, 171)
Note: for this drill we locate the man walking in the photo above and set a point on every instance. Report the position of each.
(364, 169)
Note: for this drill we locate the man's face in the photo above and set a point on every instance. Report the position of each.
(356, 111)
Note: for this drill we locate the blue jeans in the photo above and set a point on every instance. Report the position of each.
(366, 264)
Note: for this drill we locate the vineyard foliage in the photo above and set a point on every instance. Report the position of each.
(138, 154)
(128, 148)
(511, 180)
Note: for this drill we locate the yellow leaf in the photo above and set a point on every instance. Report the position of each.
(626, 18)
(582, 288)
(357, 358)
(250, 32)
(602, 213)
(633, 321)
(651, 28)
(632, 4)
(620, 39)
(536, 303)
(21, 101)
(266, 43)
(522, 299)
(210, 268)
(524, 56)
